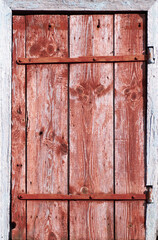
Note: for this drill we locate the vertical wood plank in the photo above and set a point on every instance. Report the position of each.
(129, 125)
(46, 35)
(47, 220)
(18, 130)
(130, 220)
(91, 119)
(91, 130)
(84, 218)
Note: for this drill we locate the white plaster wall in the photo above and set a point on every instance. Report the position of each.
(5, 117)
(100, 5)
(152, 124)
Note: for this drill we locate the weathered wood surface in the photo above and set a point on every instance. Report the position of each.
(91, 220)
(130, 220)
(82, 5)
(130, 81)
(91, 115)
(47, 220)
(99, 59)
(5, 118)
(152, 125)
(5, 96)
(47, 35)
(18, 129)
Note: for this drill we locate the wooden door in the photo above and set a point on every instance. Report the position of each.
(78, 129)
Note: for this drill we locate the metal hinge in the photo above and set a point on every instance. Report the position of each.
(149, 194)
(150, 53)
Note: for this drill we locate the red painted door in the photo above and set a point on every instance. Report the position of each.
(78, 129)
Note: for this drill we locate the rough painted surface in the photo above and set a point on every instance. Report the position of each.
(5, 118)
(130, 85)
(47, 145)
(18, 130)
(84, 218)
(91, 117)
(152, 125)
(91, 98)
(5, 97)
(91, 134)
(130, 221)
(98, 5)
(47, 220)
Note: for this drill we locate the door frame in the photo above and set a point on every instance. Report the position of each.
(7, 8)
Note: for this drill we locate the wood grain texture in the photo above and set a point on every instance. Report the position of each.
(84, 218)
(129, 124)
(91, 112)
(130, 220)
(47, 129)
(47, 220)
(81, 5)
(5, 96)
(46, 35)
(18, 129)
(5, 117)
(91, 128)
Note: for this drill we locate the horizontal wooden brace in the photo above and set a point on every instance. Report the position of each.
(118, 197)
(98, 59)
